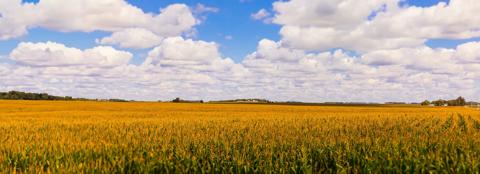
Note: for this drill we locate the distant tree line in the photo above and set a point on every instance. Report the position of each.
(17, 95)
(460, 101)
(117, 100)
(178, 100)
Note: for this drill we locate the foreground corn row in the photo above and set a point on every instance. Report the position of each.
(94, 137)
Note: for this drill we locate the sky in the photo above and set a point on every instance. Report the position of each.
(289, 50)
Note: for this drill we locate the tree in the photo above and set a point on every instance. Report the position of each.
(425, 103)
(439, 102)
(17, 95)
(460, 101)
(176, 100)
(43, 96)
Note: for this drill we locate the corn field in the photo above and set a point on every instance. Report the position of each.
(141, 137)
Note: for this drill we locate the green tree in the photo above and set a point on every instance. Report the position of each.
(460, 101)
(425, 103)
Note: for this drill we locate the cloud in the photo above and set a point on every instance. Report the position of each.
(112, 15)
(422, 59)
(132, 38)
(284, 73)
(201, 8)
(378, 24)
(274, 71)
(174, 20)
(346, 14)
(90, 15)
(197, 72)
(263, 15)
(4, 69)
(15, 18)
(193, 52)
(55, 54)
(406, 74)
(196, 57)
(468, 52)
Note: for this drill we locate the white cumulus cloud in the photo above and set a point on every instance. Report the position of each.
(132, 38)
(55, 54)
(116, 16)
(371, 25)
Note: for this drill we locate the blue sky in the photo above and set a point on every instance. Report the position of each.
(233, 19)
(424, 3)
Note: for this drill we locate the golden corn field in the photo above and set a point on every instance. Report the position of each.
(102, 137)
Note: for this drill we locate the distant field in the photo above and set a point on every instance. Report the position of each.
(103, 137)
